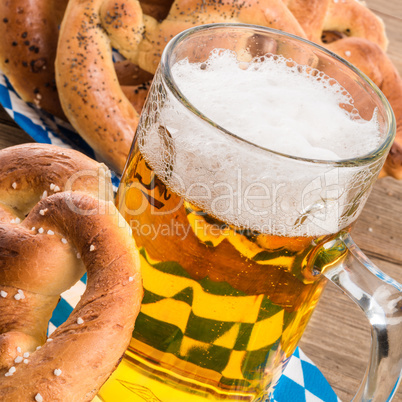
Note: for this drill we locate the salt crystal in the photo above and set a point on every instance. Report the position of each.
(38, 398)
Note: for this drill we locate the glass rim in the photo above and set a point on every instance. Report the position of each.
(167, 77)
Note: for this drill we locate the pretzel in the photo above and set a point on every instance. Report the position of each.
(88, 87)
(70, 225)
(29, 33)
(337, 19)
(97, 25)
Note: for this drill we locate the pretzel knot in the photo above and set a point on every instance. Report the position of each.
(96, 105)
(325, 21)
(86, 79)
(51, 231)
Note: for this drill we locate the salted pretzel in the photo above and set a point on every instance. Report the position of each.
(56, 221)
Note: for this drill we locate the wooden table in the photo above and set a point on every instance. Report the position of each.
(338, 336)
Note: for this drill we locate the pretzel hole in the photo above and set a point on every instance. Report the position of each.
(333, 36)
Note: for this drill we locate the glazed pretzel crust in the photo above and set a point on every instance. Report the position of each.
(105, 117)
(67, 230)
(88, 86)
(345, 18)
(29, 33)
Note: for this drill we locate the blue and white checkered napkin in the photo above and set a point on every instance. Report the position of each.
(301, 381)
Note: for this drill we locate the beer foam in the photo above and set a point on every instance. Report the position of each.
(276, 104)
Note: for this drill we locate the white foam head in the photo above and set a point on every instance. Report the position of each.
(275, 104)
(278, 106)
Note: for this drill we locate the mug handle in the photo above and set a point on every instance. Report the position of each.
(380, 297)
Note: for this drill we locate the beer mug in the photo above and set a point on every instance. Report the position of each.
(237, 238)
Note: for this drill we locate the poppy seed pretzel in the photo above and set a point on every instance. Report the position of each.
(327, 20)
(98, 107)
(29, 33)
(89, 90)
(68, 228)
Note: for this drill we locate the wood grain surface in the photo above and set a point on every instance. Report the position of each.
(337, 338)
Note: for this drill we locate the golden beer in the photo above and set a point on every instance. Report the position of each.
(241, 185)
(222, 305)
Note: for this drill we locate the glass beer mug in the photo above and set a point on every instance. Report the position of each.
(236, 237)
